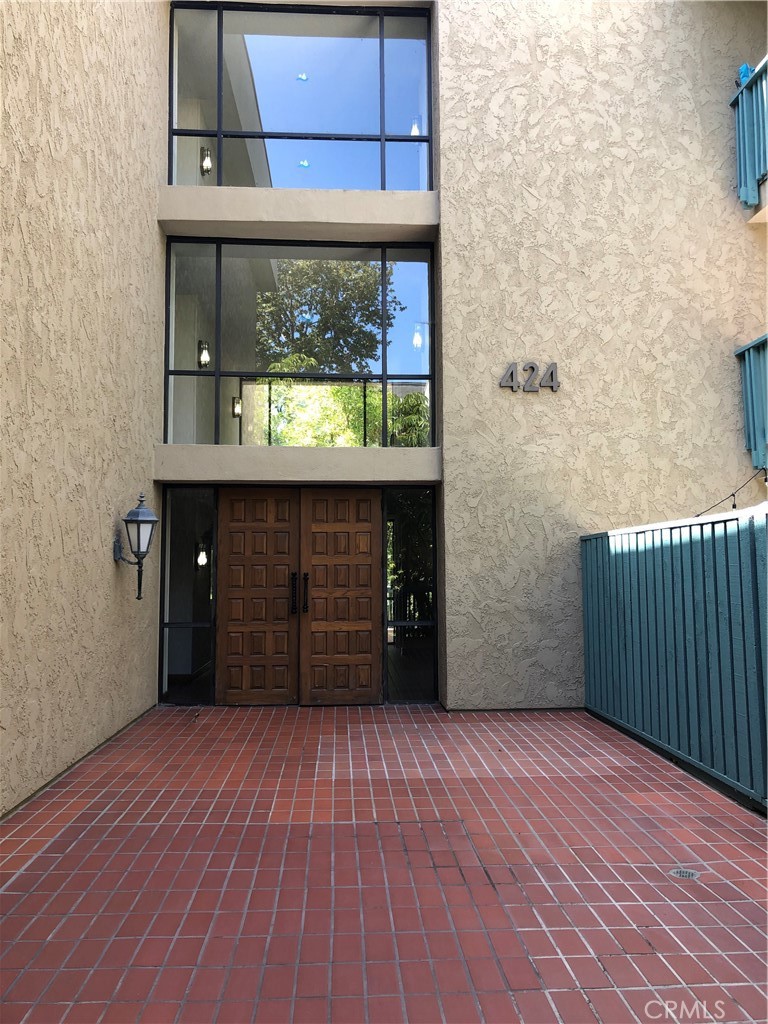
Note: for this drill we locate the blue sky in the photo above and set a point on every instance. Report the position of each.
(331, 85)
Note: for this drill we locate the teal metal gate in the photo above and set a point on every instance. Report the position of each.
(675, 634)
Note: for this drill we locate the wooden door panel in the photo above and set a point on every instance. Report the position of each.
(257, 635)
(341, 632)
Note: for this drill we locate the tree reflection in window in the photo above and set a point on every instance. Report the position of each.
(313, 345)
(325, 311)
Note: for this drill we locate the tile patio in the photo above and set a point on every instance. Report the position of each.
(237, 865)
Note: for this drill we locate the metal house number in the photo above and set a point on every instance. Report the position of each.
(549, 378)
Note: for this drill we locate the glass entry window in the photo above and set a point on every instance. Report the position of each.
(188, 599)
(292, 99)
(298, 594)
(411, 613)
(299, 346)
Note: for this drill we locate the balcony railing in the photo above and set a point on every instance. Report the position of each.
(754, 388)
(751, 106)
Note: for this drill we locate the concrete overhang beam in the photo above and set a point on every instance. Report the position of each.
(322, 215)
(232, 464)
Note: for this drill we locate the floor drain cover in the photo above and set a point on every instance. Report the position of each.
(684, 873)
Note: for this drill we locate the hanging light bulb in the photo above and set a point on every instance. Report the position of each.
(237, 407)
(416, 126)
(206, 163)
(418, 339)
(203, 355)
(201, 558)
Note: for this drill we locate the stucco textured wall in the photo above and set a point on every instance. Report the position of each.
(588, 216)
(84, 92)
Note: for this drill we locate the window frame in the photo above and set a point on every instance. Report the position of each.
(219, 135)
(384, 378)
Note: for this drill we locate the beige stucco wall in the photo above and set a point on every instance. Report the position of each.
(588, 216)
(84, 91)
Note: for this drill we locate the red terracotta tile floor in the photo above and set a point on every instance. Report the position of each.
(237, 865)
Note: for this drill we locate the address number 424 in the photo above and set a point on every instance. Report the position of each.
(548, 379)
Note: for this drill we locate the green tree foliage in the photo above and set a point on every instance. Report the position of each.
(409, 555)
(408, 416)
(325, 310)
(326, 317)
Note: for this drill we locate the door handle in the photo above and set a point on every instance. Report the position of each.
(294, 592)
(305, 605)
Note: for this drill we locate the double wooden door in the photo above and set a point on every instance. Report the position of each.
(299, 612)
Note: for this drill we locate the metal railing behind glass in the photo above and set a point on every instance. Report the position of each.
(751, 106)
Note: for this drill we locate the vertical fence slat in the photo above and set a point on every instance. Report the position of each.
(725, 642)
(656, 695)
(691, 666)
(675, 639)
(736, 568)
(600, 619)
(713, 649)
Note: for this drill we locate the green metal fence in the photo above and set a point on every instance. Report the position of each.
(675, 634)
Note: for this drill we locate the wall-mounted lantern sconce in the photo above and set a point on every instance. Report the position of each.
(206, 163)
(203, 355)
(201, 556)
(140, 525)
(237, 407)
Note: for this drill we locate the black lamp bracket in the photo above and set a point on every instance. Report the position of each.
(117, 552)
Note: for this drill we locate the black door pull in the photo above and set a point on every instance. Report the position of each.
(305, 606)
(294, 592)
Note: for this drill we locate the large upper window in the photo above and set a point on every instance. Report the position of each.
(288, 99)
(304, 346)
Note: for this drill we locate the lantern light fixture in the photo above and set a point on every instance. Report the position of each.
(203, 355)
(206, 162)
(237, 407)
(140, 525)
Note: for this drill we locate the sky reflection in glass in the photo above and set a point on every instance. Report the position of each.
(340, 95)
(303, 74)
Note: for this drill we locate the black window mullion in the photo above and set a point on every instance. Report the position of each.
(382, 105)
(385, 592)
(217, 346)
(167, 359)
(219, 93)
(432, 336)
(426, 623)
(194, 133)
(430, 182)
(365, 413)
(186, 625)
(215, 587)
(171, 105)
(332, 378)
(384, 431)
(163, 594)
